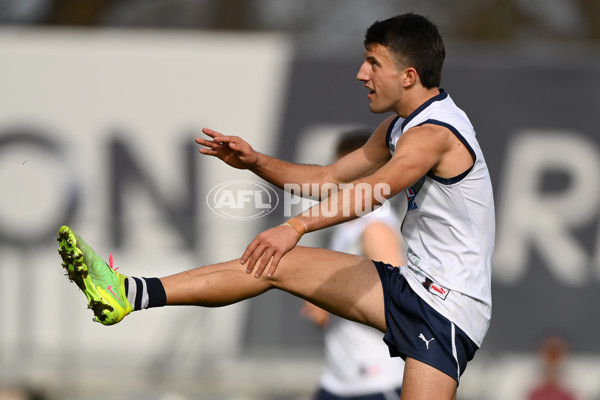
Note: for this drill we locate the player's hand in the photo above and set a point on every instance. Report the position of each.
(269, 246)
(233, 150)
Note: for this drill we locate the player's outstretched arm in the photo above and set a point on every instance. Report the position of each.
(237, 153)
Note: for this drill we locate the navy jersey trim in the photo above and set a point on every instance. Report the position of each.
(388, 134)
(458, 178)
(423, 106)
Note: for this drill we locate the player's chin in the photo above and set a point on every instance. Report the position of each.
(376, 109)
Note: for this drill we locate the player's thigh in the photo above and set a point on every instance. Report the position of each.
(344, 284)
(423, 382)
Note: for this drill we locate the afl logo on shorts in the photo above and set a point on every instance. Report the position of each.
(242, 199)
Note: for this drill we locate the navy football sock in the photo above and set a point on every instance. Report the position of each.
(145, 293)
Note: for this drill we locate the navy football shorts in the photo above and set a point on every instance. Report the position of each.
(416, 330)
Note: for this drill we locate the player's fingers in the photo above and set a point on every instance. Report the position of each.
(235, 143)
(212, 133)
(266, 257)
(247, 254)
(227, 139)
(276, 258)
(254, 258)
(232, 141)
(208, 143)
(209, 152)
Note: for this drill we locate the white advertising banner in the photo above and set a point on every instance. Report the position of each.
(97, 131)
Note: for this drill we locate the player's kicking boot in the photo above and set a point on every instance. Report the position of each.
(101, 284)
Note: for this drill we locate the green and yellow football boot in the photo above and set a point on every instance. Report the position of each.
(103, 286)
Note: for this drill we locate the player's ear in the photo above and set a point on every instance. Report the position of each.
(411, 76)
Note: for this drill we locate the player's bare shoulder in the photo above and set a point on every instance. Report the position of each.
(453, 156)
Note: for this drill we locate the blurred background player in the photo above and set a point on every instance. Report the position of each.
(358, 365)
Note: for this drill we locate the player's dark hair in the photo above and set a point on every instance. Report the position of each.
(415, 41)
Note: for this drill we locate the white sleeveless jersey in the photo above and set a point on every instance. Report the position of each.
(449, 226)
(358, 362)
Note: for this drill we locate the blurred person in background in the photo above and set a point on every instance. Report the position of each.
(553, 352)
(435, 311)
(358, 365)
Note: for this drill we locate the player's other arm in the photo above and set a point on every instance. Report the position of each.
(237, 153)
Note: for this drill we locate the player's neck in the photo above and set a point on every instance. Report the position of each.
(415, 97)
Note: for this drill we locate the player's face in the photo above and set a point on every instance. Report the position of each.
(382, 78)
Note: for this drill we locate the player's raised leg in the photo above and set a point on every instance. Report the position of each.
(344, 284)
